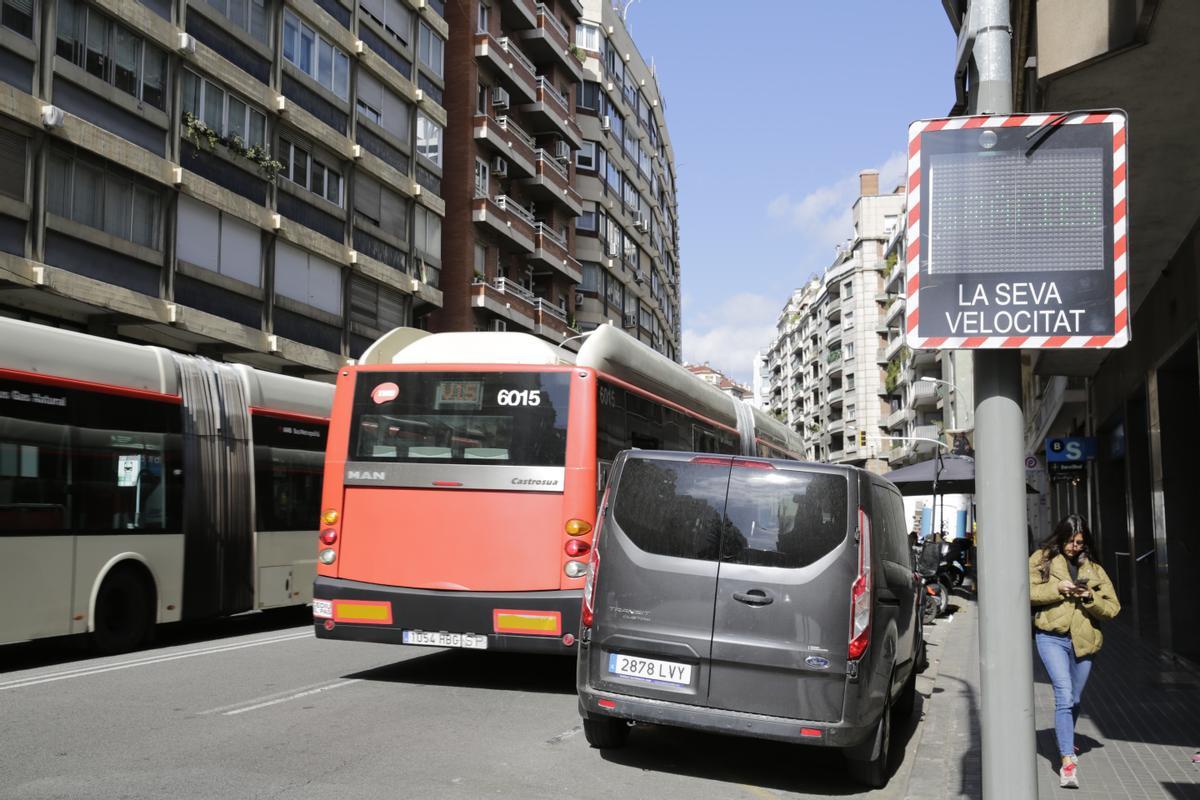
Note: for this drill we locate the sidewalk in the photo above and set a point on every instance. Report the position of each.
(1139, 728)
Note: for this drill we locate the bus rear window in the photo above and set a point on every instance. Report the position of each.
(504, 418)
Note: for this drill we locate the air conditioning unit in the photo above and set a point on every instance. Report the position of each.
(614, 247)
(186, 44)
(630, 321)
(562, 150)
(642, 224)
(53, 117)
(498, 325)
(606, 123)
(500, 98)
(500, 166)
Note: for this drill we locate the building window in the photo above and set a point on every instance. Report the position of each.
(587, 36)
(481, 99)
(429, 139)
(92, 194)
(302, 169)
(249, 15)
(484, 21)
(383, 107)
(17, 15)
(431, 50)
(218, 241)
(111, 53)
(848, 351)
(427, 234)
(392, 16)
(481, 177)
(14, 158)
(307, 278)
(587, 220)
(315, 56)
(585, 157)
(221, 111)
(591, 278)
(848, 289)
(850, 384)
(587, 95)
(375, 204)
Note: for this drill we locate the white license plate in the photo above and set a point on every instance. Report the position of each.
(650, 669)
(472, 641)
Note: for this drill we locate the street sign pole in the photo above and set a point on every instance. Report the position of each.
(1005, 647)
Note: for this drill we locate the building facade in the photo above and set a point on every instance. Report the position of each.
(628, 233)
(254, 181)
(715, 377)
(511, 201)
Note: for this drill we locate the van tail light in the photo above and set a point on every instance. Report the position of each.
(716, 461)
(588, 612)
(860, 592)
(752, 463)
(589, 589)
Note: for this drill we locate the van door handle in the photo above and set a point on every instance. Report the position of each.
(754, 597)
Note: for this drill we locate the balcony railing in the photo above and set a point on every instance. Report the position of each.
(506, 124)
(547, 160)
(546, 307)
(510, 47)
(552, 22)
(512, 287)
(549, 90)
(542, 229)
(506, 203)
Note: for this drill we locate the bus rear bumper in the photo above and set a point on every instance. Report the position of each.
(497, 615)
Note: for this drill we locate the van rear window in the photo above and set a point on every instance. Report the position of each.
(784, 518)
(672, 508)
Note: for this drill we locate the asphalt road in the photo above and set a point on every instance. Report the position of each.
(258, 708)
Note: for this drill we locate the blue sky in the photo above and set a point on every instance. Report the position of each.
(772, 108)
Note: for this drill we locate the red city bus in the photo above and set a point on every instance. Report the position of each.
(463, 472)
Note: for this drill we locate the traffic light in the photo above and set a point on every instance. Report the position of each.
(862, 439)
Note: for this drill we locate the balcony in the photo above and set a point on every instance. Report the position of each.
(552, 110)
(833, 333)
(926, 432)
(518, 15)
(552, 180)
(833, 310)
(550, 249)
(835, 425)
(552, 321)
(895, 312)
(923, 395)
(506, 217)
(924, 358)
(893, 348)
(516, 71)
(548, 39)
(834, 398)
(506, 299)
(899, 417)
(512, 144)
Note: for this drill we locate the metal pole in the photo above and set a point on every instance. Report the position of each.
(1005, 645)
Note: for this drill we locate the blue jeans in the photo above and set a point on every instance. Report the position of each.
(1068, 675)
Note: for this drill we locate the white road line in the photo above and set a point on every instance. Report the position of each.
(84, 672)
(296, 696)
(259, 699)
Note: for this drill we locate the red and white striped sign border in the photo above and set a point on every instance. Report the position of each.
(1120, 336)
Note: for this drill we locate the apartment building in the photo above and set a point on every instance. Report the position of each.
(714, 377)
(509, 237)
(627, 237)
(256, 181)
(824, 379)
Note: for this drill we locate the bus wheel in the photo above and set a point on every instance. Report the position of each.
(124, 611)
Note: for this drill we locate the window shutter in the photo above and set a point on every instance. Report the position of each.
(12, 164)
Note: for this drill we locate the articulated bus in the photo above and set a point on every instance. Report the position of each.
(139, 486)
(464, 472)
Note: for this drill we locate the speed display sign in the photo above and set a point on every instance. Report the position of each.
(1016, 232)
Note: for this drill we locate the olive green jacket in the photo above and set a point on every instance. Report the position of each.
(1078, 617)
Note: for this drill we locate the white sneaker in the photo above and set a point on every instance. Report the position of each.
(1068, 776)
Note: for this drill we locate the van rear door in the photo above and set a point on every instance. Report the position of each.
(782, 610)
(656, 577)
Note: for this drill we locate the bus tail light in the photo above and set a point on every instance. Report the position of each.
(860, 592)
(577, 547)
(328, 536)
(327, 556)
(577, 527)
(329, 516)
(575, 569)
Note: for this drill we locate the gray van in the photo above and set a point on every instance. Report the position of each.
(759, 597)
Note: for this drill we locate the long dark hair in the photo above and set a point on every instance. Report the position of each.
(1066, 530)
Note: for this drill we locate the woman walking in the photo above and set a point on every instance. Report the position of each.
(1071, 595)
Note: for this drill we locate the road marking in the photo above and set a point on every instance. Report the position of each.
(259, 699)
(296, 696)
(84, 672)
